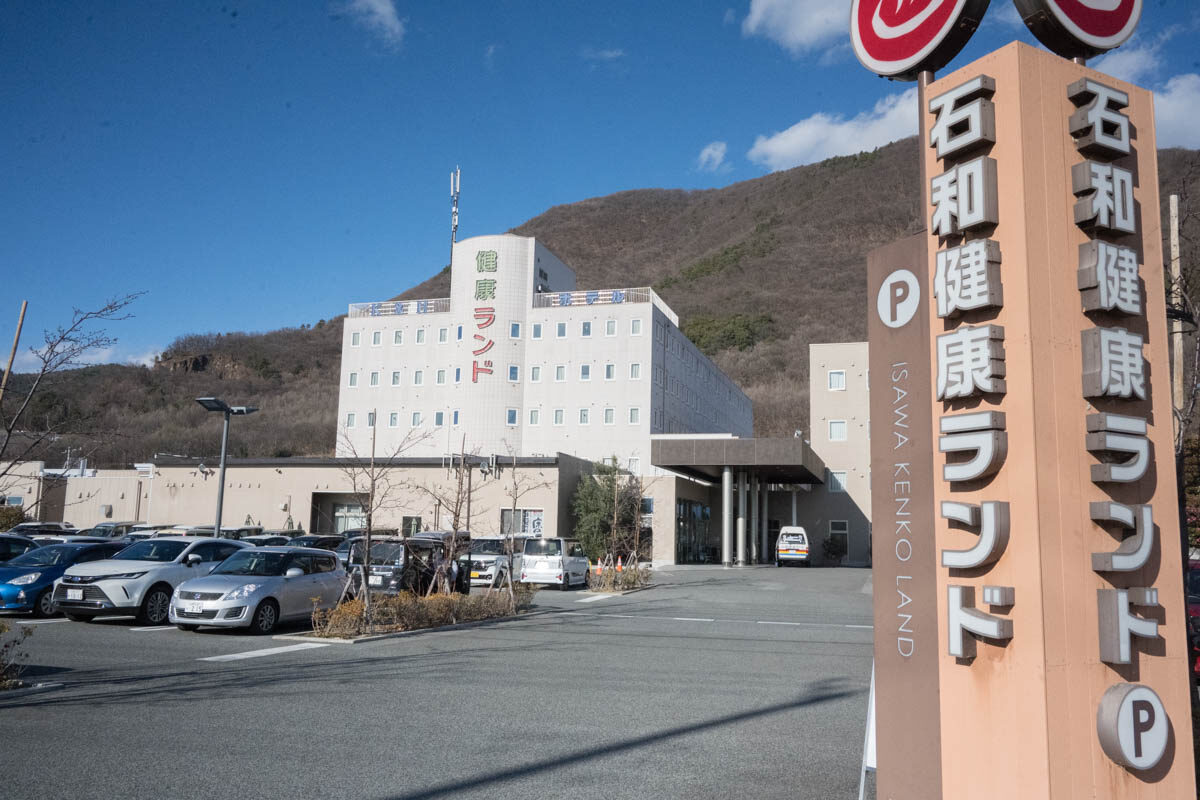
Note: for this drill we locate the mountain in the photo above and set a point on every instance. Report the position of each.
(756, 271)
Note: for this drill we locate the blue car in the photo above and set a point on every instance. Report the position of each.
(27, 580)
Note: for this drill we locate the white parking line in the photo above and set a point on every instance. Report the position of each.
(692, 619)
(39, 621)
(594, 598)
(711, 619)
(270, 651)
(864, 627)
(149, 628)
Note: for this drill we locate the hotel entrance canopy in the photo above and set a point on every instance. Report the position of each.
(779, 461)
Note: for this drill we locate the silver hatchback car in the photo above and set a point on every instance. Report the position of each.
(259, 587)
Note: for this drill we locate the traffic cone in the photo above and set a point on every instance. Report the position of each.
(599, 568)
(619, 567)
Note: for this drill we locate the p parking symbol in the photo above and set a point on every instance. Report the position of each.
(898, 298)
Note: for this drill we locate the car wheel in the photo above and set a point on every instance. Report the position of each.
(155, 606)
(44, 605)
(266, 617)
(778, 564)
(566, 584)
(188, 628)
(77, 617)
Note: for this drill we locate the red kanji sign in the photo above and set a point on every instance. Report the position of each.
(1081, 28)
(902, 38)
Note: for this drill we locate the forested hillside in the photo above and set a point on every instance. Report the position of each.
(756, 270)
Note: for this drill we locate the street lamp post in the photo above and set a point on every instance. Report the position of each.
(216, 404)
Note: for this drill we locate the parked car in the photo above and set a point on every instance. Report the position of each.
(560, 562)
(265, 540)
(489, 561)
(12, 545)
(31, 528)
(387, 564)
(65, 538)
(258, 588)
(112, 530)
(318, 540)
(27, 581)
(227, 532)
(792, 546)
(140, 579)
(136, 536)
(348, 549)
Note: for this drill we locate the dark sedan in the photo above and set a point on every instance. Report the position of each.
(12, 546)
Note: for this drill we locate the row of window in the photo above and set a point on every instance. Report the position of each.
(511, 417)
(514, 332)
(514, 375)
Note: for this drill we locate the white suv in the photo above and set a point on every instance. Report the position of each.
(140, 579)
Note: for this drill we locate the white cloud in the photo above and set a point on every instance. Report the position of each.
(379, 17)
(145, 359)
(489, 57)
(824, 135)
(798, 25)
(592, 54)
(1175, 112)
(730, 16)
(1005, 14)
(712, 157)
(1137, 63)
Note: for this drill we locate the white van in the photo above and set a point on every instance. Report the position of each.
(792, 546)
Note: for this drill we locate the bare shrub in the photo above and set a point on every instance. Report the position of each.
(409, 612)
(11, 656)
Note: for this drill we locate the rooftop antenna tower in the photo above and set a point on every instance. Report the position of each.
(455, 185)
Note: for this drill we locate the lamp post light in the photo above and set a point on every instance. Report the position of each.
(216, 404)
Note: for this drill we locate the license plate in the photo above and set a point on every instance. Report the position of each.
(195, 608)
(540, 565)
(375, 580)
(74, 594)
(474, 574)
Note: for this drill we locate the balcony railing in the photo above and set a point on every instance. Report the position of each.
(399, 307)
(602, 297)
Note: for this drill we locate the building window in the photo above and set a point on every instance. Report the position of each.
(514, 373)
(837, 430)
(398, 337)
(583, 416)
(439, 419)
(635, 372)
(355, 339)
(454, 417)
(396, 378)
(410, 525)
(635, 327)
(534, 416)
(561, 330)
(535, 374)
(585, 372)
(585, 329)
(440, 377)
(610, 327)
(558, 416)
(376, 338)
(443, 335)
(560, 373)
(418, 377)
(528, 522)
(510, 416)
(458, 374)
(458, 333)
(610, 416)
(839, 529)
(635, 415)
(514, 330)
(634, 465)
(353, 380)
(393, 419)
(374, 378)
(350, 420)
(420, 336)
(647, 506)
(370, 419)
(610, 372)
(416, 419)
(837, 481)
(537, 330)
(837, 380)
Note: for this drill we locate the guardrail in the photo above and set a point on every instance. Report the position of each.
(400, 307)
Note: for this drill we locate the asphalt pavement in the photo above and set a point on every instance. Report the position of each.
(711, 683)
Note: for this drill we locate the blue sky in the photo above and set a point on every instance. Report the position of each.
(252, 166)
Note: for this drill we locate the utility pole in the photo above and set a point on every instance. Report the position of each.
(13, 353)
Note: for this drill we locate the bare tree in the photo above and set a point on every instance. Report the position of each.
(456, 497)
(519, 484)
(376, 487)
(31, 415)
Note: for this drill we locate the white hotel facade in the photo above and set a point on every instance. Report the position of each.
(523, 363)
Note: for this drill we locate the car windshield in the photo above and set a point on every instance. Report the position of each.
(387, 553)
(487, 547)
(49, 556)
(794, 537)
(305, 541)
(253, 562)
(543, 547)
(152, 550)
(343, 546)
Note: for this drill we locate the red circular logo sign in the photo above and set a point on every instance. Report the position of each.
(1081, 28)
(901, 38)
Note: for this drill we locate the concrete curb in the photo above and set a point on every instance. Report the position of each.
(37, 688)
(374, 637)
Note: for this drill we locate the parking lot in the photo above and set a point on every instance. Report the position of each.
(709, 683)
